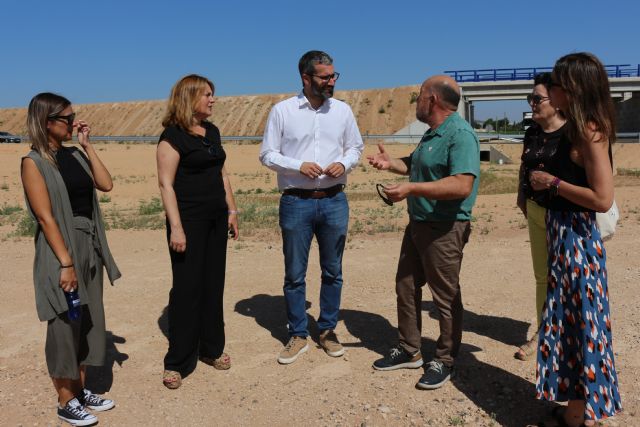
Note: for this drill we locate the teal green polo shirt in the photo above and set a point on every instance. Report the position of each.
(450, 149)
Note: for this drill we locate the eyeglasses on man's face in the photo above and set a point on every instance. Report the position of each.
(327, 78)
(533, 99)
(68, 119)
(380, 188)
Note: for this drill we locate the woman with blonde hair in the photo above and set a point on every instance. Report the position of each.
(201, 212)
(71, 249)
(575, 360)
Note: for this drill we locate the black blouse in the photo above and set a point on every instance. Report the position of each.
(198, 182)
(539, 148)
(78, 182)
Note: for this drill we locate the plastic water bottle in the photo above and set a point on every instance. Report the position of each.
(73, 301)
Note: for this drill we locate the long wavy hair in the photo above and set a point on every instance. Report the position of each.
(41, 107)
(585, 81)
(185, 94)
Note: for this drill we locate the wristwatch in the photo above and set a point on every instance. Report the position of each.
(553, 188)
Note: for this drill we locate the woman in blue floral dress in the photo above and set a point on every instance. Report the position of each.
(575, 360)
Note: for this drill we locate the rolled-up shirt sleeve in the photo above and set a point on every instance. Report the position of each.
(353, 145)
(270, 151)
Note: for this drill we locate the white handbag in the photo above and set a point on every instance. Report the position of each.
(607, 221)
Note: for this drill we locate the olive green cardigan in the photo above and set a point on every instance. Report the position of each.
(50, 299)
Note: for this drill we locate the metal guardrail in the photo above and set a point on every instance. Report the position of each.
(501, 74)
(626, 137)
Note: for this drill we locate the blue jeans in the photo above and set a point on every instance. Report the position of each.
(300, 220)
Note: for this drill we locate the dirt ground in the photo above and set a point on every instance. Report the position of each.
(491, 388)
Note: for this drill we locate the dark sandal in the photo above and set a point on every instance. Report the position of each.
(221, 363)
(558, 417)
(171, 379)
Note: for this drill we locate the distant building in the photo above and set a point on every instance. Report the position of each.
(527, 120)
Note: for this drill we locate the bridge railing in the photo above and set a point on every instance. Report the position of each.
(501, 74)
(629, 137)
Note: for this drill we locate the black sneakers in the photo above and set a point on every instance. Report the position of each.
(95, 402)
(398, 358)
(435, 375)
(75, 414)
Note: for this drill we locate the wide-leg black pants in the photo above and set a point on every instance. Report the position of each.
(196, 321)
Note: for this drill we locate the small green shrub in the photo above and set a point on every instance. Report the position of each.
(628, 172)
(26, 226)
(491, 183)
(151, 207)
(8, 210)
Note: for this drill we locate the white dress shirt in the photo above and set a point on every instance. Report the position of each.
(297, 133)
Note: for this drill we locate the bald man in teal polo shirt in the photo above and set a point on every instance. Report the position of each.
(444, 171)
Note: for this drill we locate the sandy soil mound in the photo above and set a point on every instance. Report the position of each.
(378, 111)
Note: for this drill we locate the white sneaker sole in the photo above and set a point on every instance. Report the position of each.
(424, 386)
(88, 422)
(407, 365)
(287, 360)
(102, 408)
(335, 353)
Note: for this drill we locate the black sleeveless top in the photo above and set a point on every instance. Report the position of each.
(198, 182)
(78, 182)
(564, 168)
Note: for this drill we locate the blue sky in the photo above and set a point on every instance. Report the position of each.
(135, 50)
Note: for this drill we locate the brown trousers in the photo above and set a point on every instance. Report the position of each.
(431, 253)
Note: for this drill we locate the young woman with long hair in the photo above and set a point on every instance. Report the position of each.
(575, 360)
(71, 249)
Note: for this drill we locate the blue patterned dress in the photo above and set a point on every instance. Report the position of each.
(575, 354)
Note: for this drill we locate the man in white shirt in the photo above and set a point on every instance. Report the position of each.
(312, 141)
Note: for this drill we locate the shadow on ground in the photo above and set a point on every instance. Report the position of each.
(509, 399)
(503, 329)
(100, 378)
(270, 313)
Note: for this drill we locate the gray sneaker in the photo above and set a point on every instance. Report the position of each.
(294, 348)
(330, 344)
(398, 358)
(436, 375)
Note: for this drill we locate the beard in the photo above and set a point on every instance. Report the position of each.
(322, 91)
(422, 115)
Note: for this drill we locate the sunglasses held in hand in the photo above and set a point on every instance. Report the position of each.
(380, 188)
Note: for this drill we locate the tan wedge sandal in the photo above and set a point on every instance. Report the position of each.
(528, 349)
(222, 363)
(171, 379)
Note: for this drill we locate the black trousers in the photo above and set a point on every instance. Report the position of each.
(196, 321)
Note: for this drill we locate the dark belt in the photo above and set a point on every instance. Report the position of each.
(319, 193)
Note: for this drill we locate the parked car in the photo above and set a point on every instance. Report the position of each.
(7, 137)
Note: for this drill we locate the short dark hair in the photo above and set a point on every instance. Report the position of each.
(542, 79)
(309, 60)
(447, 94)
